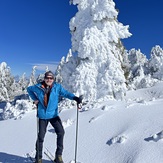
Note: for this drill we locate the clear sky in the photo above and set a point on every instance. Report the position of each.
(145, 19)
(36, 32)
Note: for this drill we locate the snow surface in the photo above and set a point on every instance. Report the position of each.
(129, 130)
(110, 131)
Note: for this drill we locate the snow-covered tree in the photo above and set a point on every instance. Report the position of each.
(32, 79)
(23, 83)
(156, 62)
(136, 59)
(65, 70)
(137, 66)
(7, 82)
(95, 38)
(139, 75)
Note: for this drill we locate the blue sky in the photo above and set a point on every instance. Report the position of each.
(36, 32)
(145, 19)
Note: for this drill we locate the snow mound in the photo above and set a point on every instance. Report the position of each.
(67, 123)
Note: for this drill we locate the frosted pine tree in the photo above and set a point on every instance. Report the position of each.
(96, 71)
(156, 62)
(7, 83)
(137, 68)
(32, 79)
(23, 83)
(63, 61)
(139, 74)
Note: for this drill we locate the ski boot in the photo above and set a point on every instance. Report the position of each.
(38, 161)
(58, 159)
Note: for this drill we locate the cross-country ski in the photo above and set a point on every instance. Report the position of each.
(30, 158)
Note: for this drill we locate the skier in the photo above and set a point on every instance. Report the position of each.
(46, 96)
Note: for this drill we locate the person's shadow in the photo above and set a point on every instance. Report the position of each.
(9, 158)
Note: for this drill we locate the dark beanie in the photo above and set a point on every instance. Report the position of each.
(49, 73)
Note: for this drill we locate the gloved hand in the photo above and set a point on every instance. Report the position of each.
(36, 102)
(77, 99)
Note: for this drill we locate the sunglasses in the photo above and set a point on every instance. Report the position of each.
(50, 78)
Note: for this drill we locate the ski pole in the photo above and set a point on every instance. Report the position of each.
(37, 138)
(77, 122)
(37, 145)
(76, 133)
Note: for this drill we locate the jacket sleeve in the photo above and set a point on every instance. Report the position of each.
(31, 93)
(66, 94)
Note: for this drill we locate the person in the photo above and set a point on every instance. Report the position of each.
(46, 95)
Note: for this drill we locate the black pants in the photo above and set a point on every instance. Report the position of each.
(57, 124)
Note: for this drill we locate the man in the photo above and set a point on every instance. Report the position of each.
(46, 96)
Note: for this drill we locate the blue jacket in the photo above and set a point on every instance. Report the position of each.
(36, 92)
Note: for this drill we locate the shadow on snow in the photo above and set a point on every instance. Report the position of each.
(10, 158)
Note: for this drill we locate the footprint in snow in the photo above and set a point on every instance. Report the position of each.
(106, 108)
(155, 137)
(94, 119)
(117, 139)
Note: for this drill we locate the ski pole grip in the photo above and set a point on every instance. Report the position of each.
(80, 104)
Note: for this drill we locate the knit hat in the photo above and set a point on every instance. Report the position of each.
(49, 73)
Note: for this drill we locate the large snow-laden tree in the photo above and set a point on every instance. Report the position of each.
(96, 35)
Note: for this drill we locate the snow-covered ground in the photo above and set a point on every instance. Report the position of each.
(128, 131)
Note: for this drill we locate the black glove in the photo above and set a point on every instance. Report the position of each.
(77, 99)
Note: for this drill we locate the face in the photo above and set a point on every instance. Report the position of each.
(49, 80)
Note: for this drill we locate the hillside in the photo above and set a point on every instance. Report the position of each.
(127, 131)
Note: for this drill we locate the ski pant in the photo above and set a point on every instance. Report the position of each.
(59, 130)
